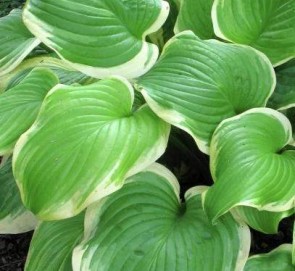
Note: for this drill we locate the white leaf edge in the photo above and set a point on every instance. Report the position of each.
(135, 67)
(218, 32)
(105, 187)
(177, 119)
(93, 213)
(273, 207)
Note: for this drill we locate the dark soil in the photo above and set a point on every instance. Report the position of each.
(13, 251)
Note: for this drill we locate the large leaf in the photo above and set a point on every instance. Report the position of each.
(267, 25)
(16, 42)
(249, 165)
(14, 218)
(196, 84)
(20, 105)
(52, 244)
(195, 15)
(279, 259)
(263, 221)
(144, 226)
(84, 143)
(65, 73)
(284, 94)
(99, 38)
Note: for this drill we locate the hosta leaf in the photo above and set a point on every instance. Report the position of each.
(84, 143)
(144, 226)
(196, 84)
(267, 25)
(14, 218)
(195, 15)
(249, 165)
(263, 221)
(109, 36)
(66, 74)
(279, 259)
(166, 31)
(52, 244)
(16, 42)
(284, 94)
(20, 105)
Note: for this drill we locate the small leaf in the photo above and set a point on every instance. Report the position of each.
(16, 42)
(266, 25)
(195, 15)
(196, 84)
(144, 226)
(52, 244)
(84, 143)
(249, 166)
(279, 259)
(109, 36)
(20, 105)
(263, 221)
(14, 218)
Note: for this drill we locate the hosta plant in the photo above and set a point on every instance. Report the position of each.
(83, 124)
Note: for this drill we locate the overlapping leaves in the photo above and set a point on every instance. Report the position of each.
(107, 38)
(144, 226)
(267, 25)
(95, 141)
(16, 41)
(250, 166)
(196, 84)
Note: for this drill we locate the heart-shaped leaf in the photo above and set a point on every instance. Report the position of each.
(263, 221)
(196, 84)
(144, 226)
(84, 143)
(14, 218)
(267, 25)
(99, 38)
(284, 94)
(20, 105)
(53, 242)
(279, 259)
(16, 42)
(195, 15)
(249, 165)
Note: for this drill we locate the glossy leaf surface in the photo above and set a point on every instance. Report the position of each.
(196, 84)
(144, 226)
(83, 145)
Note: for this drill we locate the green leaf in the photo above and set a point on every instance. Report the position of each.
(52, 244)
(195, 15)
(166, 31)
(284, 94)
(109, 36)
(16, 42)
(249, 166)
(14, 218)
(66, 74)
(84, 143)
(20, 105)
(196, 84)
(279, 259)
(267, 25)
(263, 221)
(144, 226)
